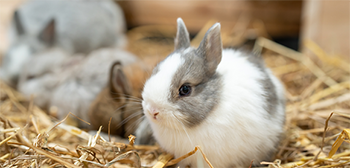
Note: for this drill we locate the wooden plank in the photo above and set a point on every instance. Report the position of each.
(282, 18)
(327, 23)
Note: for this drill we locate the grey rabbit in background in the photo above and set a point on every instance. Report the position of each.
(68, 82)
(41, 74)
(74, 26)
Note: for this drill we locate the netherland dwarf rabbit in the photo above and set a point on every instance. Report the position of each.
(74, 26)
(223, 100)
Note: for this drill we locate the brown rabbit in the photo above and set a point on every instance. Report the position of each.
(121, 98)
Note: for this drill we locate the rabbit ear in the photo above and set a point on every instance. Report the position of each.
(118, 81)
(18, 23)
(47, 35)
(211, 48)
(182, 39)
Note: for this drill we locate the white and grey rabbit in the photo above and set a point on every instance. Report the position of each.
(70, 83)
(223, 100)
(75, 26)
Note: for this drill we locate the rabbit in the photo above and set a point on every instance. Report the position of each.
(121, 101)
(42, 74)
(72, 84)
(223, 100)
(75, 26)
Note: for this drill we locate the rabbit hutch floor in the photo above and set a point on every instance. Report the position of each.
(317, 128)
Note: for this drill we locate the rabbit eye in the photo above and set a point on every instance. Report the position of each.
(185, 90)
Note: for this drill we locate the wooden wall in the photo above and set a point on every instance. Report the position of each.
(327, 23)
(281, 18)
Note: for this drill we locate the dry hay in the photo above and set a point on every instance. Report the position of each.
(317, 122)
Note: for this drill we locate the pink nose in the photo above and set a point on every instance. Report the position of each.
(155, 115)
(154, 112)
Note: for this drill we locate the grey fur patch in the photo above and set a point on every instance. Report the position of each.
(205, 93)
(211, 48)
(271, 100)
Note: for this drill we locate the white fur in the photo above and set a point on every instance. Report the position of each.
(166, 72)
(20, 55)
(187, 50)
(236, 132)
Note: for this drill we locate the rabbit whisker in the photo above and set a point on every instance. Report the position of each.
(136, 103)
(134, 110)
(127, 96)
(120, 107)
(134, 107)
(135, 123)
(183, 126)
(129, 99)
(128, 118)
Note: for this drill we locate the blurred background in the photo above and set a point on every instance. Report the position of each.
(286, 22)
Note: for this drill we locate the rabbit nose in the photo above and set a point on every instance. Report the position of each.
(154, 112)
(155, 115)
